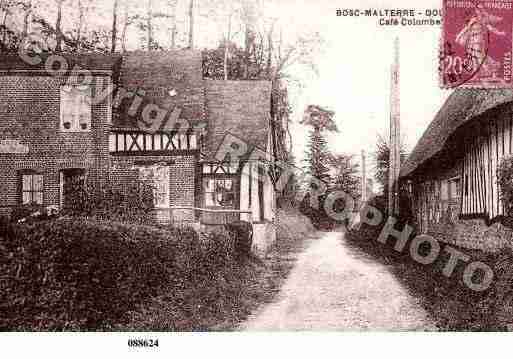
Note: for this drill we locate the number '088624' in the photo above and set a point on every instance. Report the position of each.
(140, 342)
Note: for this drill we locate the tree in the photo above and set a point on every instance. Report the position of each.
(172, 4)
(127, 21)
(382, 156)
(317, 155)
(346, 177)
(58, 30)
(27, 9)
(10, 38)
(114, 30)
(191, 23)
(319, 118)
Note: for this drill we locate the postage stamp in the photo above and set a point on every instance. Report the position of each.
(476, 46)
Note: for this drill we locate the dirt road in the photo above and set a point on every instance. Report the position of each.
(335, 287)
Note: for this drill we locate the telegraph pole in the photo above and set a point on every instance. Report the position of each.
(395, 136)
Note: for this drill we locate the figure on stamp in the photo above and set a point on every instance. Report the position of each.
(474, 37)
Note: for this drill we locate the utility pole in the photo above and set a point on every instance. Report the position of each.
(364, 180)
(395, 136)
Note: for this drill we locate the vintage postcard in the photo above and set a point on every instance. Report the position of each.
(315, 170)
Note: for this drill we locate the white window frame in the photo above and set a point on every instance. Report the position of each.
(36, 194)
(451, 181)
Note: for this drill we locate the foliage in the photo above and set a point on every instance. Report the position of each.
(124, 202)
(346, 177)
(213, 64)
(382, 156)
(317, 157)
(319, 118)
(26, 211)
(241, 233)
(76, 274)
(505, 183)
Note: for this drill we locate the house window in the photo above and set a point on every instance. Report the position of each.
(157, 177)
(454, 188)
(32, 188)
(219, 192)
(75, 109)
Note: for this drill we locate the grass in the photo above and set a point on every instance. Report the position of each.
(449, 302)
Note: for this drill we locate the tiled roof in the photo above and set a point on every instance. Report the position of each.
(89, 61)
(241, 108)
(167, 79)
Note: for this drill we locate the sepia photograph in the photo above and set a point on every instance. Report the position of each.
(311, 169)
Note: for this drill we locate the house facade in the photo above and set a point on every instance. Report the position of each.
(138, 116)
(452, 171)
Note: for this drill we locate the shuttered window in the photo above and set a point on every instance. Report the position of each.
(75, 109)
(454, 188)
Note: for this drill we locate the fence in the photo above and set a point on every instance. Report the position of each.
(209, 216)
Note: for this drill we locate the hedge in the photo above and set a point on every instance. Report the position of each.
(79, 274)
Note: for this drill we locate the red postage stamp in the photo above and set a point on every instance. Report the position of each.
(476, 47)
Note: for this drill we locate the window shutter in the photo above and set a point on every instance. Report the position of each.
(66, 108)
(75, 108)
(84, 109)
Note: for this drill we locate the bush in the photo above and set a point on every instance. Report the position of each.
(241, 233)
(73, 273)
(500, 298)
(108, 201)
(505, 184)
(25, 211)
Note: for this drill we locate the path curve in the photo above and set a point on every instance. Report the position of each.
(335, 287)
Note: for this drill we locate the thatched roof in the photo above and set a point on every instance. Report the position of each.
(462, 106)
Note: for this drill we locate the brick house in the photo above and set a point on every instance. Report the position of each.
(452, 171)
(140, 115)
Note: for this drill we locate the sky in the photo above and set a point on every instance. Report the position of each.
(354, 73)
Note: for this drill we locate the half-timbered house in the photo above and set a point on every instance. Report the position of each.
(452, 171)
(140, 115)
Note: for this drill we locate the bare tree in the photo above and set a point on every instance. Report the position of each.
(249, 15)
(27, 8)
(114, 26)
(126, 23)
(5, 6)
(149, 24)
(58, 30)
(172, 17)
(191, 24)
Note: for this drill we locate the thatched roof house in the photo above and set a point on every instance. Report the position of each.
(452, 170)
